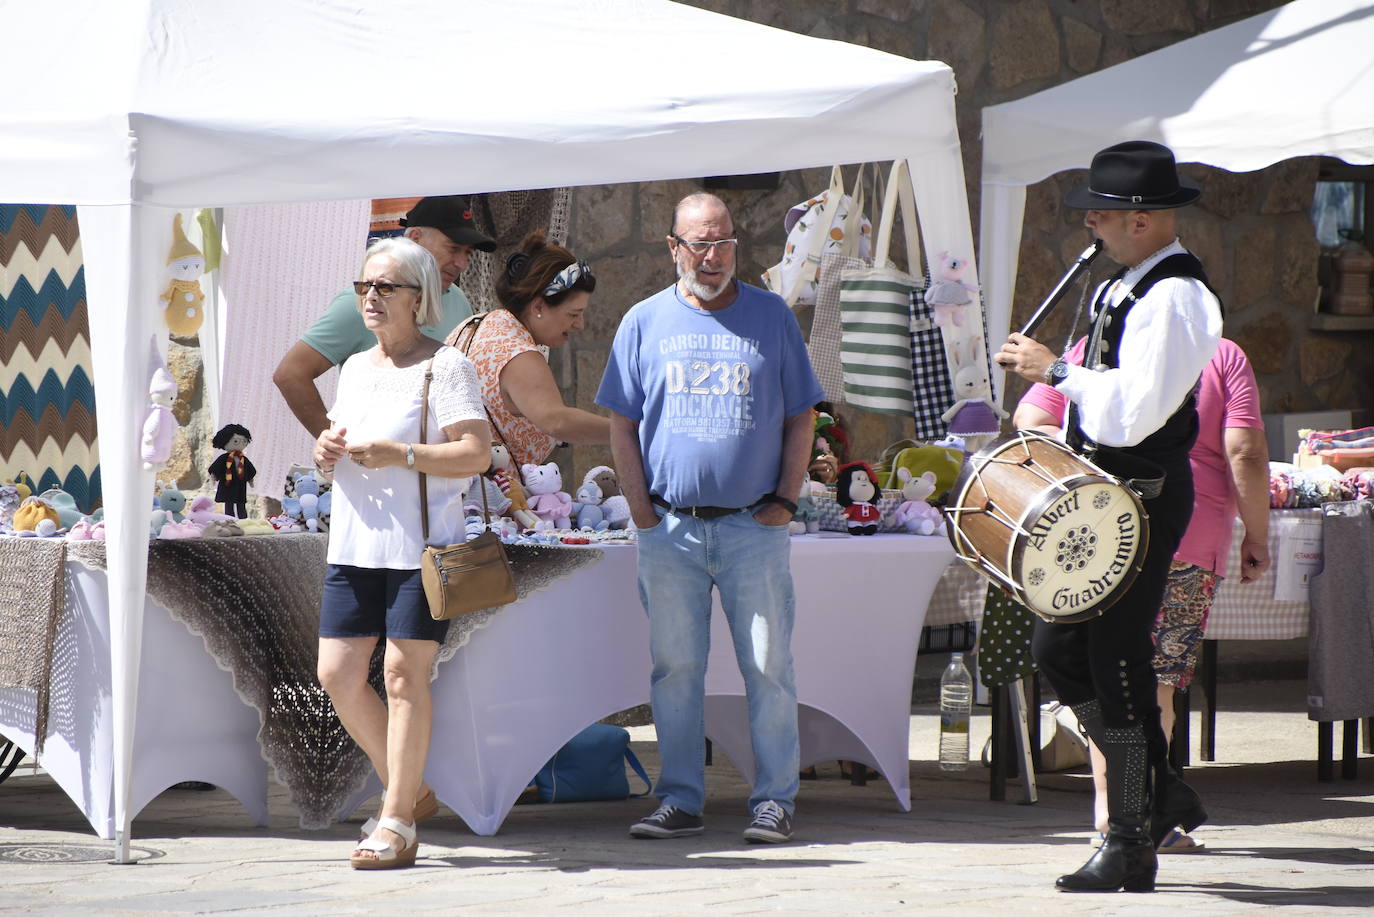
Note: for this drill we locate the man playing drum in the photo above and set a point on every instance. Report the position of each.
(1155, 326)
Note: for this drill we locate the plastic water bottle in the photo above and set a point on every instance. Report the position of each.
(956, 700)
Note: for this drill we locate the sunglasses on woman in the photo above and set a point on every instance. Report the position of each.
(384, 289)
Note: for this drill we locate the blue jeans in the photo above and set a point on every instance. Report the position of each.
(680, 559)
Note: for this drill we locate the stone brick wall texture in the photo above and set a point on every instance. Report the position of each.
(1251, 230)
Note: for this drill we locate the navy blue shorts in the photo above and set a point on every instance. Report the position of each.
(368, 602)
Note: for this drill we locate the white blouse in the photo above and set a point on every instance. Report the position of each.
(375, 518)
(1169, 337)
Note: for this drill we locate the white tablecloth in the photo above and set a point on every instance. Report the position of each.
(543, 670)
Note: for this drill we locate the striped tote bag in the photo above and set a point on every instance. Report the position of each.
(875, 312)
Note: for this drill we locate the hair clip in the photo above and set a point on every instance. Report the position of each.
(517, 265)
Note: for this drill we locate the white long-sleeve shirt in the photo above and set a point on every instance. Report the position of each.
(1170, 335)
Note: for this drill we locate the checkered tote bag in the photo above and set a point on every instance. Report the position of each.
(933, 392)
(824, 342)
(875, 312)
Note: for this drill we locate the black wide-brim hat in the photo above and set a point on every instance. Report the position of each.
(1135, 175)
(451, 214)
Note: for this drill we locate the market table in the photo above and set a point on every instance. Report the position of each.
(537, 673)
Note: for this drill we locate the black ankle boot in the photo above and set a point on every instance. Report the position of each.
(1126, 861)
(1177, 805)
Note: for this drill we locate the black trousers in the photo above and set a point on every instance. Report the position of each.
(1109, 657)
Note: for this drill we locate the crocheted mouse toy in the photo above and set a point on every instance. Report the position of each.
(915, 515)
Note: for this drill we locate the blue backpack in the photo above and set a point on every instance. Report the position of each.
(591, 766)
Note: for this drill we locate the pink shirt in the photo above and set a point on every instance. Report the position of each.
(1227, 397)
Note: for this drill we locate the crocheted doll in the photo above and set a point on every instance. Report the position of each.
(232, 469)
(856, 491)
(974, 416)
(183, 302)
(159, 424)
(503, 474)
(947, 294)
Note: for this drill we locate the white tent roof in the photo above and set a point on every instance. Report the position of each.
(1295, 81)
(131, 107)
(189, 103)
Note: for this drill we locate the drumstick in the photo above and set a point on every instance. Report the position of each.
(1074, 272)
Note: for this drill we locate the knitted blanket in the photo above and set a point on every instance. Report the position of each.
(32, 600)
(252, 603)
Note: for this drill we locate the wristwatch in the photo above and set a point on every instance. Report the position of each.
(778, 499)
(1057, 372)
(410, 455)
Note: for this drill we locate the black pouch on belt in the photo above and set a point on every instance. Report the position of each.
(1139, 474)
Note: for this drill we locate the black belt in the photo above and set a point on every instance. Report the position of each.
(700, 512)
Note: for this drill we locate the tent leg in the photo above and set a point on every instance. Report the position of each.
(121, 849)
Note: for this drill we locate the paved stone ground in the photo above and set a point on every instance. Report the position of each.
(1278, 838)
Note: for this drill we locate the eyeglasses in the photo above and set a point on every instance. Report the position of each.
(567, 278)
(384, 289)
(701, 247)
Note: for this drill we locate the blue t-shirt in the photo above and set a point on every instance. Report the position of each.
(340, 333)
(710, 391)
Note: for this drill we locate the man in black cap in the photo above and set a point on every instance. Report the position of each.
(1156, 324)
(443, 226)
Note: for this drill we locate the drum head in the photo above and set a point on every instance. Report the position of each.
(1079, 548)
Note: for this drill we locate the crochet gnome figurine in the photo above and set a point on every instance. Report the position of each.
(183, 303)
(159, 424)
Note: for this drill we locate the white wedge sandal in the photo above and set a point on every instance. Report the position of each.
(388, 857)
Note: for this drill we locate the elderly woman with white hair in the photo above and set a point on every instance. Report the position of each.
(373, 449)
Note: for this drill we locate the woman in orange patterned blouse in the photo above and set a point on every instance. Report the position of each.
(544, 293)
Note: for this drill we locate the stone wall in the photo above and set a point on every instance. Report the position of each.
(1251, 230)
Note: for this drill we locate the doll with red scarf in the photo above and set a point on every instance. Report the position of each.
(857, 492)
(232, 469)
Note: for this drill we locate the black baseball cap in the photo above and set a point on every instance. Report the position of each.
(451, 214)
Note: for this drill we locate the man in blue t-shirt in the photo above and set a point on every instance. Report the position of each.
(711, 390)
(443, 226)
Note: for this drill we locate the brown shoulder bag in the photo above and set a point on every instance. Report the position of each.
(461, 578)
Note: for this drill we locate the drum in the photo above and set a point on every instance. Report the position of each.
(1060, 534)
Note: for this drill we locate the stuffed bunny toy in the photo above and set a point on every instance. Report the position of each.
(975, 416)
(915, 515)
(544, 484)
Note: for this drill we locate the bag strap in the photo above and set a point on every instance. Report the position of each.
(424, 489)
(639, 769)
(831, 203)
(899, 188)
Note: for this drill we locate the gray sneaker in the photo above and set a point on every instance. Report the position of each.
(771, 824)
(667, 821)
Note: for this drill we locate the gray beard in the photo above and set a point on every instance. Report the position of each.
(700, 290)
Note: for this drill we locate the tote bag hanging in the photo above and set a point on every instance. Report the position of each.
(875, 311)
(832, 222)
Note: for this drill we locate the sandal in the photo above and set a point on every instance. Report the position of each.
(1178, 842)
(387, 856)
(426, 807)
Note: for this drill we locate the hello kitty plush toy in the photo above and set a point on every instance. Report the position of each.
(183, 303)
(948, 294)
(857, 492)
(544, 485)
(974, 416)
(915, 515)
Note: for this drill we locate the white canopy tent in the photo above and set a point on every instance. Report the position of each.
(162, 104)
(1295, 81)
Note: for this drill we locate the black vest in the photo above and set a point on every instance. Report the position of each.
(1168, 446)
